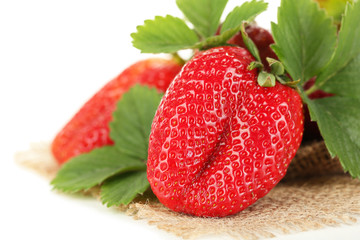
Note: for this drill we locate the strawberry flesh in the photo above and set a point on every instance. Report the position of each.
(219, 141)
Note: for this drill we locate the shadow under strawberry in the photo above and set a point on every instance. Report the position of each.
(311, 129)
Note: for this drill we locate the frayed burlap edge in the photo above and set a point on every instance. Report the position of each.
(299, 203)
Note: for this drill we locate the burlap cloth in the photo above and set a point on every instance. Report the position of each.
(315, 193)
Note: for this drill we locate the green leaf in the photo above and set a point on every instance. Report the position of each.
(342, 75)
(164, 35)
(132, 119)
(122, 189)
(122, 165)
(90, 169)
(203, 14)
(246, 12)
(338, 120)
(304, 38)
(232, 24)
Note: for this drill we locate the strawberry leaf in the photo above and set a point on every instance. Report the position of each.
(341, 76)
(90, 169)
(338, 120)
(338, 117)
(131, 125)
(203, 14)
(122, 189)
(170, 34)
(232, 24)
(304, 38)
(164, 35)
(246, 12)
(119, 169)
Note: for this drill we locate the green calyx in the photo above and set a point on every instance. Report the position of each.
(277, 73)
(276, 66)
(266, 79)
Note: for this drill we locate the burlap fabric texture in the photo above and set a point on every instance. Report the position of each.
(315, 193)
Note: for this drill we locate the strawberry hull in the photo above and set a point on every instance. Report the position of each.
(219, 141)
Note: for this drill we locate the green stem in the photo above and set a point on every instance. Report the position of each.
(311, 90)
(303, 94)
(178, 59)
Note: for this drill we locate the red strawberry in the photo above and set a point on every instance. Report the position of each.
(261, 38)
(89, 129)
(219, 141)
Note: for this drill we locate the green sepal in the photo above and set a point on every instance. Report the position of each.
(250, 45)
(255, 64)
(277, 68)
(285, 80)
(266, 79)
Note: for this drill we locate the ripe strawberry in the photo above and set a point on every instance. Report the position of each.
(89, 129)
(219, 141)
(261, 38)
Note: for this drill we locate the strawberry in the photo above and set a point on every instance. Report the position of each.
(219, 141)
(228, 125)
(88, 129)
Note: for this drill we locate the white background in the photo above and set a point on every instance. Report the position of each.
(53, 56)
